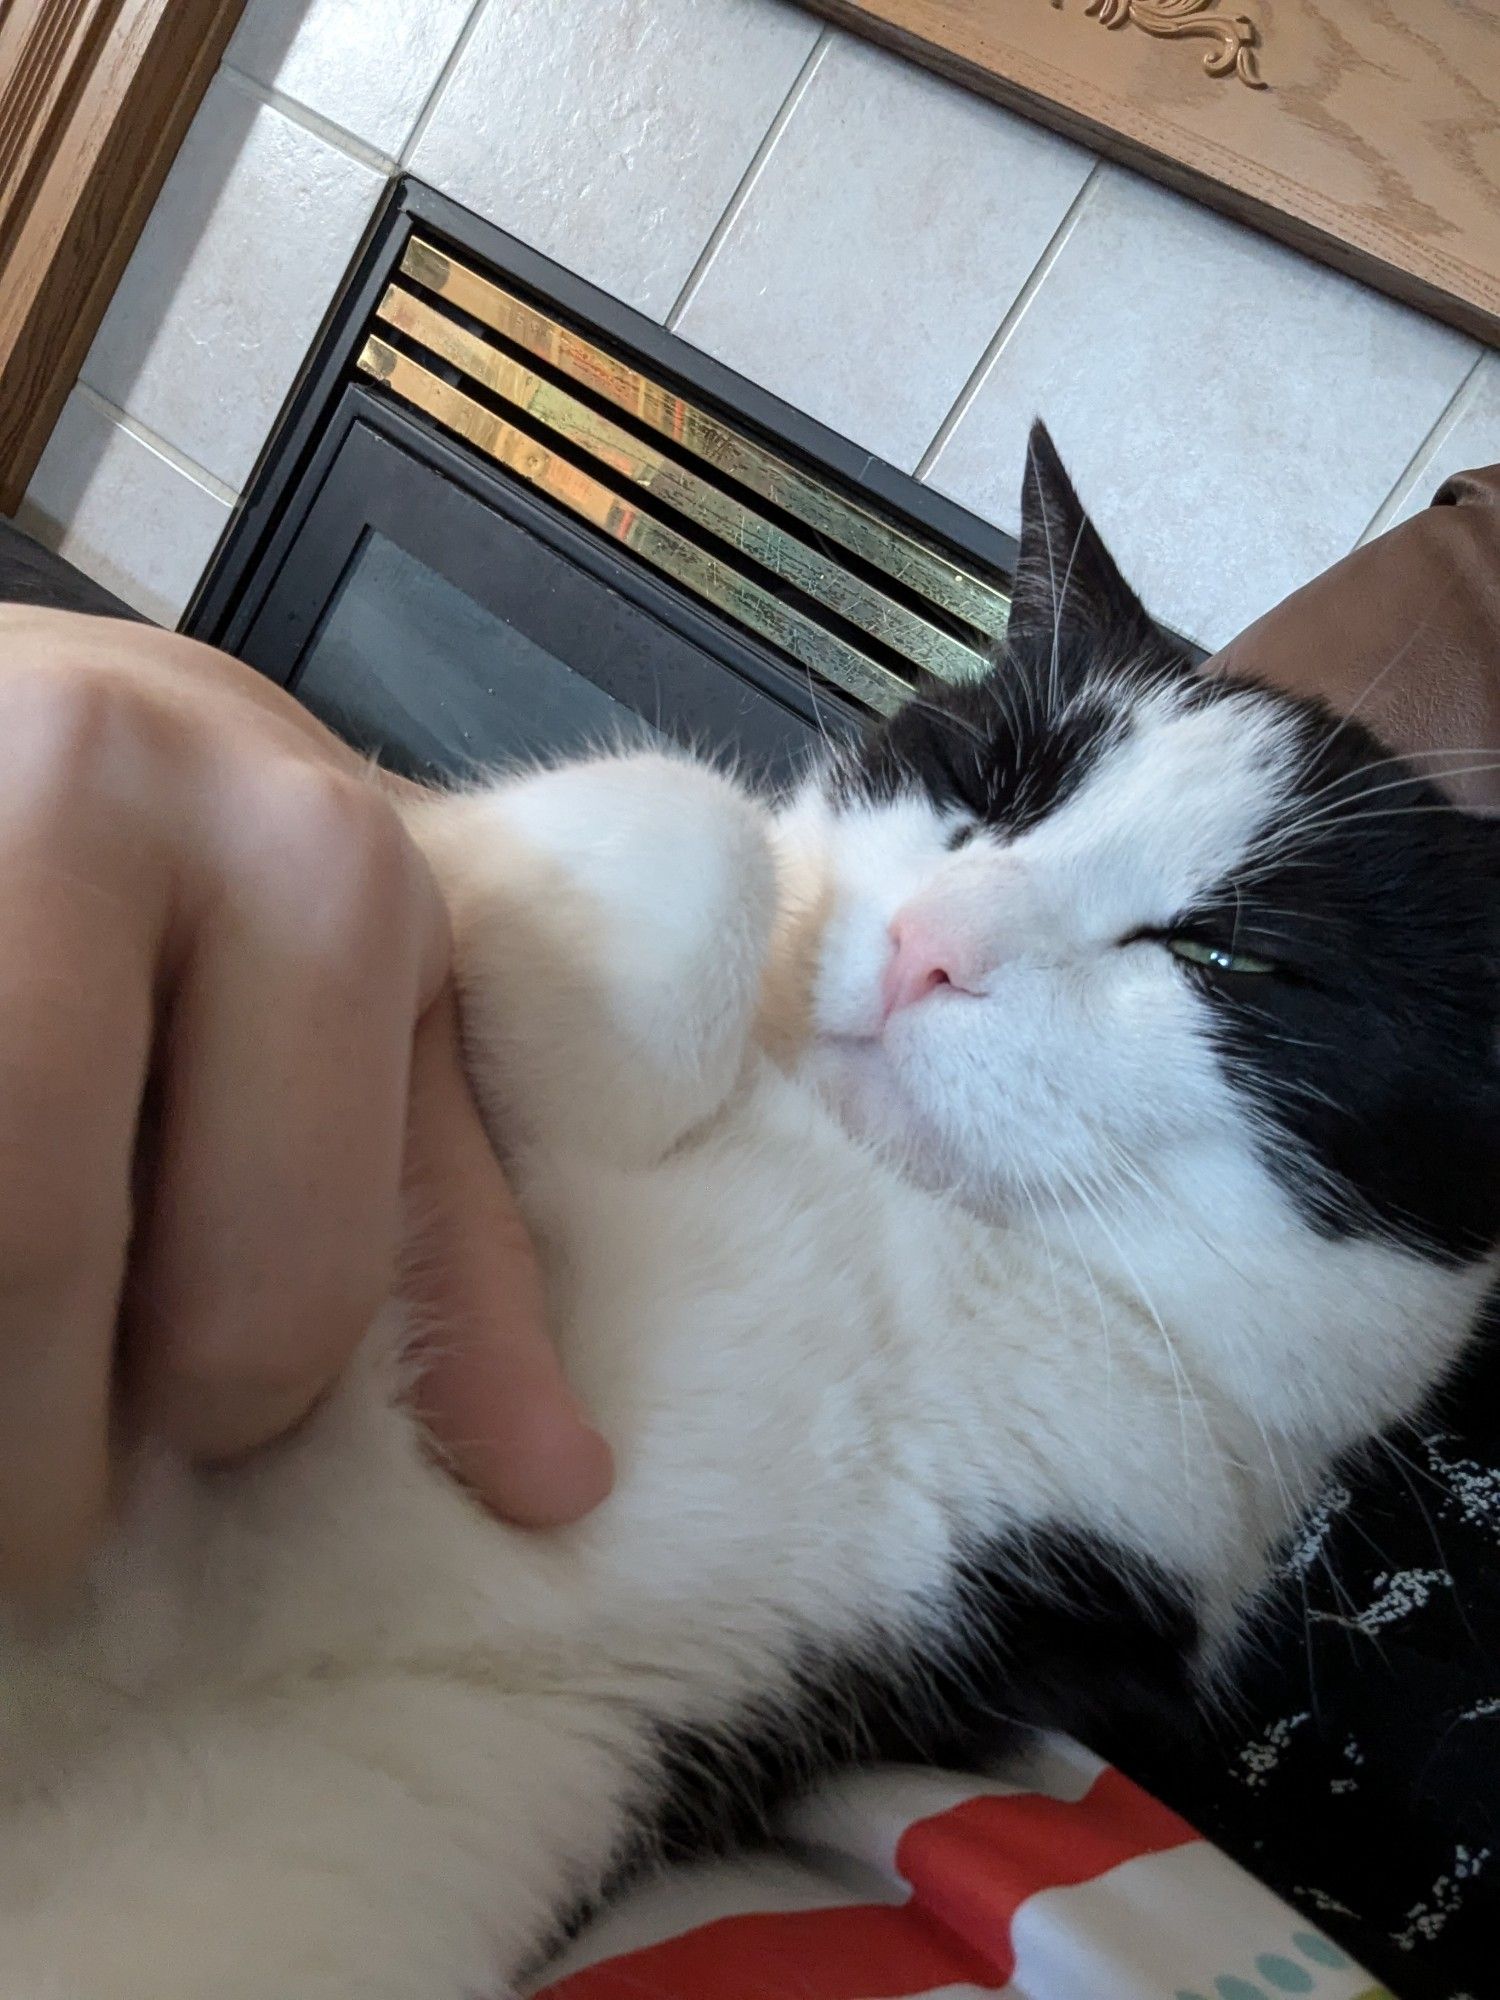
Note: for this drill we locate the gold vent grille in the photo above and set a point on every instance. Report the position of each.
(853, 597)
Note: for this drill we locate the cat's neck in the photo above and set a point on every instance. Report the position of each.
(1321, 1340)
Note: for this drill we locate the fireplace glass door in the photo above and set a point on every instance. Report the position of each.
(404, 657)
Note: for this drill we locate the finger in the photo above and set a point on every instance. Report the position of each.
(492, 1390)
(80, 917)
(270, 1240)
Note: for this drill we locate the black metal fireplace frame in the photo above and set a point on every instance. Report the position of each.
(305, 440)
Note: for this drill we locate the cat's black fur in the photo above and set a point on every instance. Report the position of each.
(1050, 1628)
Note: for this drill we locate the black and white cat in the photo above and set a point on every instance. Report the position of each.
(977, 1199)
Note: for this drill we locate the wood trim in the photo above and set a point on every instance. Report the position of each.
(95, 96)
(1363, 132)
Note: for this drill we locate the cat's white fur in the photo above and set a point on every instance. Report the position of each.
(321, 1729)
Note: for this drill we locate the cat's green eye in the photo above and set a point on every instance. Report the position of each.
(1214, 957)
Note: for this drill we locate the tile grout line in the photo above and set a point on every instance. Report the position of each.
(1035, 279)
(154, 441)
(1448, 418)
(310, 121)
(434, 96)
(747, 180)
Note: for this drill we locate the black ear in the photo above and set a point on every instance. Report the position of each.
(1068, 593)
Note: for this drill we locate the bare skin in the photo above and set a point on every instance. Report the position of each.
(227, 1038)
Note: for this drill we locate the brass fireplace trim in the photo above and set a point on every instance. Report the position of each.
(725, 452)
(684, 491)
(696, 569)
(860, 599)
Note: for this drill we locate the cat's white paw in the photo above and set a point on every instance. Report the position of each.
(611, 921)
(675, 854)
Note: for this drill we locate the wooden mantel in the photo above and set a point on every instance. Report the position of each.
(95, 96)
(1365, 132)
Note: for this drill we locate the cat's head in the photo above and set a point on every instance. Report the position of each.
(1099, 918)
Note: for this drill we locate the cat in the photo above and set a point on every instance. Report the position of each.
(979, 1197)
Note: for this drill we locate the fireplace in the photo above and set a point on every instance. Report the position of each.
(504, 516)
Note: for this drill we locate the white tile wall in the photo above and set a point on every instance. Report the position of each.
(889, 228)
(612, 136)
(1233, 413)
(365, 65)
(1468, 435)
(137, 523)
(255, 227)
(857, 237)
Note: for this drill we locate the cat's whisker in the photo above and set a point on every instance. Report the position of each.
(1282, 1040)
(1350, 714)
(1353, 808)
(1045, 1241)
(1409, 1472)
(1157, 1205)
(1301, 1086)
(1184, 1387)
(1319, 811)
(1058, 605)
(1044, 514)
(1294, 1506)
(1414, 765)
(824, 733)
(1088, 1271)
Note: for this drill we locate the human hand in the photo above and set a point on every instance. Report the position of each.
(227, 1034)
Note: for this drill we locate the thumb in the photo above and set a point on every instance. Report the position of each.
(491, 1389)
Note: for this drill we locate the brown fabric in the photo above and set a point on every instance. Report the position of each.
(1406, 633)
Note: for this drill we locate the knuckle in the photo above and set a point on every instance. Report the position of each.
(333, 822)
(282, 1362)
(227, 1361)
(318, 801)
(64, 723)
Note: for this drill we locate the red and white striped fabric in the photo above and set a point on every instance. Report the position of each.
(1063, 1881)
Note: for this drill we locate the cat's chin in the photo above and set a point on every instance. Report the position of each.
(857, 1080)
(863, 1088)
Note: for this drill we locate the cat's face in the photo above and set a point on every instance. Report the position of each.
(1097, 912)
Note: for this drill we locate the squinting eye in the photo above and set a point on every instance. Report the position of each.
(1215, 958)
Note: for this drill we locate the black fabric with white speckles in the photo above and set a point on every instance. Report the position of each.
(1361, 1776)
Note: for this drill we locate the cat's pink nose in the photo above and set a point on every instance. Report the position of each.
(921, 961)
